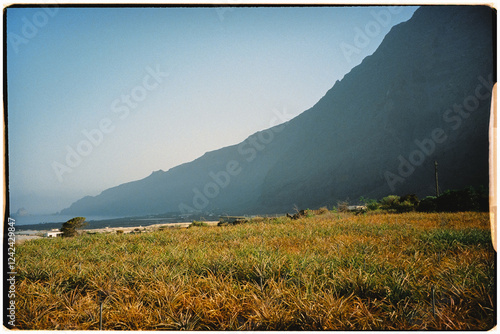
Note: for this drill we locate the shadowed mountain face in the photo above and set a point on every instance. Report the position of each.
(423, 96)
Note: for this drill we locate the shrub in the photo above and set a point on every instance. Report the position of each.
(68, 229)
(389, 203)
(395, 203)
(411, 198)
(405, 206)
(322, 210)
(119, 231)
(198, 223)
(372, 205)
(467, 199)
(309, 213)
(343, 206)
(428, 204)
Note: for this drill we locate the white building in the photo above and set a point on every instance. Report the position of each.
(53, 233)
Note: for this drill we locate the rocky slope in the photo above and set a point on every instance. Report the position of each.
(424, 95)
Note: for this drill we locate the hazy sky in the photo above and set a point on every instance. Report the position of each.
(102, 96)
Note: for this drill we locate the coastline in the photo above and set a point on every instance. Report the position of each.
(22, 236)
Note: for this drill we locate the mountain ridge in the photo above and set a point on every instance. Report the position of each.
(350, 143)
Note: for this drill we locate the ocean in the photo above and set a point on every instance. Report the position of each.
(40, 219)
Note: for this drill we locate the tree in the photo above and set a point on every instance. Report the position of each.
(69, 228)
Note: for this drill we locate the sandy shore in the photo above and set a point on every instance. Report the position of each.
(22, 238)
(145, 228)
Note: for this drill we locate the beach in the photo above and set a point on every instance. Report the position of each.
(37, 234)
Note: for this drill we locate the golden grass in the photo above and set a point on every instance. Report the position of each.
(331, 271)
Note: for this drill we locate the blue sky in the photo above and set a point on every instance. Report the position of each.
(134, 90)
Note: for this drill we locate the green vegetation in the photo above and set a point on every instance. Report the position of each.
(69, 228)
(334, 271)
(196, 223)
(467, 199)
(395, 203)
(371, 204)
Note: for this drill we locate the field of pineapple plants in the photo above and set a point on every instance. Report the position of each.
(326, 271)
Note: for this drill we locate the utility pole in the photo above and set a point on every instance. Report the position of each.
(436, 173)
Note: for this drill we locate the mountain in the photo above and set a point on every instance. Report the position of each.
(423, 96)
